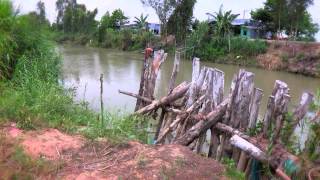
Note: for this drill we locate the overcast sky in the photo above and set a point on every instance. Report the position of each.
(134, 8)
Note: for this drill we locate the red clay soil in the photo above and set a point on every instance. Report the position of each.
(83, 159)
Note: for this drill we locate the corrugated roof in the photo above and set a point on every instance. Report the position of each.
(239, 22)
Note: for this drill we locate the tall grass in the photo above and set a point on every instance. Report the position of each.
(32, 96)
(34, 99)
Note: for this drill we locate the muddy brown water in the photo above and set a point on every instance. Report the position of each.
(82, 67)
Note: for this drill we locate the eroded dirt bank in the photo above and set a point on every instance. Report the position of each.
(296, 57)
(73, 157)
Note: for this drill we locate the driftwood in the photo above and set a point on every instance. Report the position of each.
(149, 76)
(252, 145)
(144, 74)
(172, 81)
(177, 93)
(141, 98)
(203, 125)
(192, 110)
(179, 118)
(248, 148)
(277, 109)
(218, 91)
(299, 113)
(175, 71)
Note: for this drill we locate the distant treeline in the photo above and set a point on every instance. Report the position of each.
(211, 40)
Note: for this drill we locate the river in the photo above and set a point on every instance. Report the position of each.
(82, 67)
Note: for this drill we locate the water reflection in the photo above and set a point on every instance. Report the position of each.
(82, 68)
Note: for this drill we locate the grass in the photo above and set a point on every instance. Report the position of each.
(34, 99)
(231, 170)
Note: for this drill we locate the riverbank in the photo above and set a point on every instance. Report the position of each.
(53, 154)
(294, 57)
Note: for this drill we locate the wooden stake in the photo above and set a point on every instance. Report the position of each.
(101, 99)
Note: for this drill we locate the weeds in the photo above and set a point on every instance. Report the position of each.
(231, 170)
(32, 96)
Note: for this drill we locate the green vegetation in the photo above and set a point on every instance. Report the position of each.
(231, 170)
(290, 17)
(180, 21)
(313, 143)
(207, 46)
(30, 93)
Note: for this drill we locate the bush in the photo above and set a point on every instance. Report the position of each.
(247, 47)
(201, 43)
(33, 97)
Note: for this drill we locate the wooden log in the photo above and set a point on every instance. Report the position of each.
(150, 101)
(175, 71)
(277, 109)
(299, 113)
(209, 120)
(217, 97)
(254, 111)
(275, 158)
(195, 75)
(193, 94)
(234, 85)
(180, 118)
(177, 93)
(136, 96)
(249, 148)
(159, 58)
(143, 78)
(195, 89)
(238, 112)
(268, 116)
(207, 90)
(229, 130)
(170, 89)
(254, 107)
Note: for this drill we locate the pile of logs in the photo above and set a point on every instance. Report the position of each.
(194, 113)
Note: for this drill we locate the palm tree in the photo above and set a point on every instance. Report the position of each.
(141, 22)
(223, 23)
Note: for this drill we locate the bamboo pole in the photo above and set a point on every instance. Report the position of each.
(101, 100)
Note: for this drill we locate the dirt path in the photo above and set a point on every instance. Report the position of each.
(81, 159)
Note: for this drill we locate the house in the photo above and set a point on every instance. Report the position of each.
(154, 28)
(247, 28)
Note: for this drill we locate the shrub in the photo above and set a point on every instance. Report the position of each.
(247, 47)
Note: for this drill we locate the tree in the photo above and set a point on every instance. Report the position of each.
(222, 27)
(141, 22)
(180, 21)
(264, 17)
(113, 21)
(118, 19)
(41, 11)
(164, 9)
(289, 16)
(60, 7)
(297, 14)
(75, 18)
(277, 9)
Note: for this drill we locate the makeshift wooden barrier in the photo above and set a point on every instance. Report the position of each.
(191, 110)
